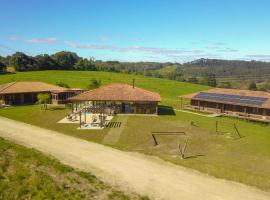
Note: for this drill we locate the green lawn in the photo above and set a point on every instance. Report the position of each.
(28, 174)
(246, 160)
(169, 90)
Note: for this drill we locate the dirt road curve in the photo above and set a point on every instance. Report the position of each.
(143, 174)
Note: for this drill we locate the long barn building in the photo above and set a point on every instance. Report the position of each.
(253, 105)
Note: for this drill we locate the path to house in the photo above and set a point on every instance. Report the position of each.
(143, 174)
(114, 134)
(195, 113)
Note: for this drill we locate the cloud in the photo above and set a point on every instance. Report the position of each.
(260, 57)
(216, 45)
(212, 47)
(153, 50)
(227, 50)
(13, 38)
(104, 38)
(49, 40)
(7, 48)
(219, 43)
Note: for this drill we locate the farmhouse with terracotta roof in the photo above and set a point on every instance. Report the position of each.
(25, 92)
(119, 98)
(253, 105)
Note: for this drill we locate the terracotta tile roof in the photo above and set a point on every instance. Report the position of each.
(117, 92)
(28, 87)
(249, 93)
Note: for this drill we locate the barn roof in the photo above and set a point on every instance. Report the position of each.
(117, 92)
(259, 99)
(28, 87)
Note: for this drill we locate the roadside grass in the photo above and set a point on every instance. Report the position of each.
(168, 89)
(28, 174)
(245, 160)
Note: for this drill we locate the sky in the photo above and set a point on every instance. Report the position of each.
(138, 30)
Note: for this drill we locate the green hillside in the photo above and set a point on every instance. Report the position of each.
(168, 89)
(27, 174)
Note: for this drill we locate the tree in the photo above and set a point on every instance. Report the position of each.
(193, 79)
(252, 86)
(94, 84)
(22, 62)
(225, 84)
(65, 59)
(61, 84)
(43, 99)
(85, 64)
(2, 67)
(210, 79)
(45, 62)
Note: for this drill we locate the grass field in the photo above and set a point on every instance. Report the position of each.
(245, 160)
(169, 90)
(28, 174)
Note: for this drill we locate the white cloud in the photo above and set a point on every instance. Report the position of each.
(153, 50)
(228, 50)
(212, 47)
(219, 43)
(260, 57)
(49, 40)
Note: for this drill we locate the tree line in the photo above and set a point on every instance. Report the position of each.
(212, 72)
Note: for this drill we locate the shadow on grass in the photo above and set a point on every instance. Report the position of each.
(56, 108)
(165, 110)
(194, 156)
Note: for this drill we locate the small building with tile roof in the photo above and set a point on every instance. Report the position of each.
(121, 98)
(25, 92)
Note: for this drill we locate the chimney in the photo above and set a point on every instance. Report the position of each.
(133, 83)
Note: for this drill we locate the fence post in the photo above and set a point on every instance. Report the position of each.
(155, 140)
(237, 131)
(216, 126)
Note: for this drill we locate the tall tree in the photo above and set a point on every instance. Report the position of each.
(22, 62)
(43, 99)
(94, 84)
(45, 62)
(2, 67)
(85, 64)
(252, 86)
(210, 79)
(65, 59)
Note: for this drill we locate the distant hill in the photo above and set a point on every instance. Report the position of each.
(228, 68)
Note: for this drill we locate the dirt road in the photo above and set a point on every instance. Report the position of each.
(143, 174)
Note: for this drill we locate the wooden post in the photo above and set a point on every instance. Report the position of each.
(71, 108)
(216, 126)
(85, 115)
(236, 129)
(80, 119)
(155, 140)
